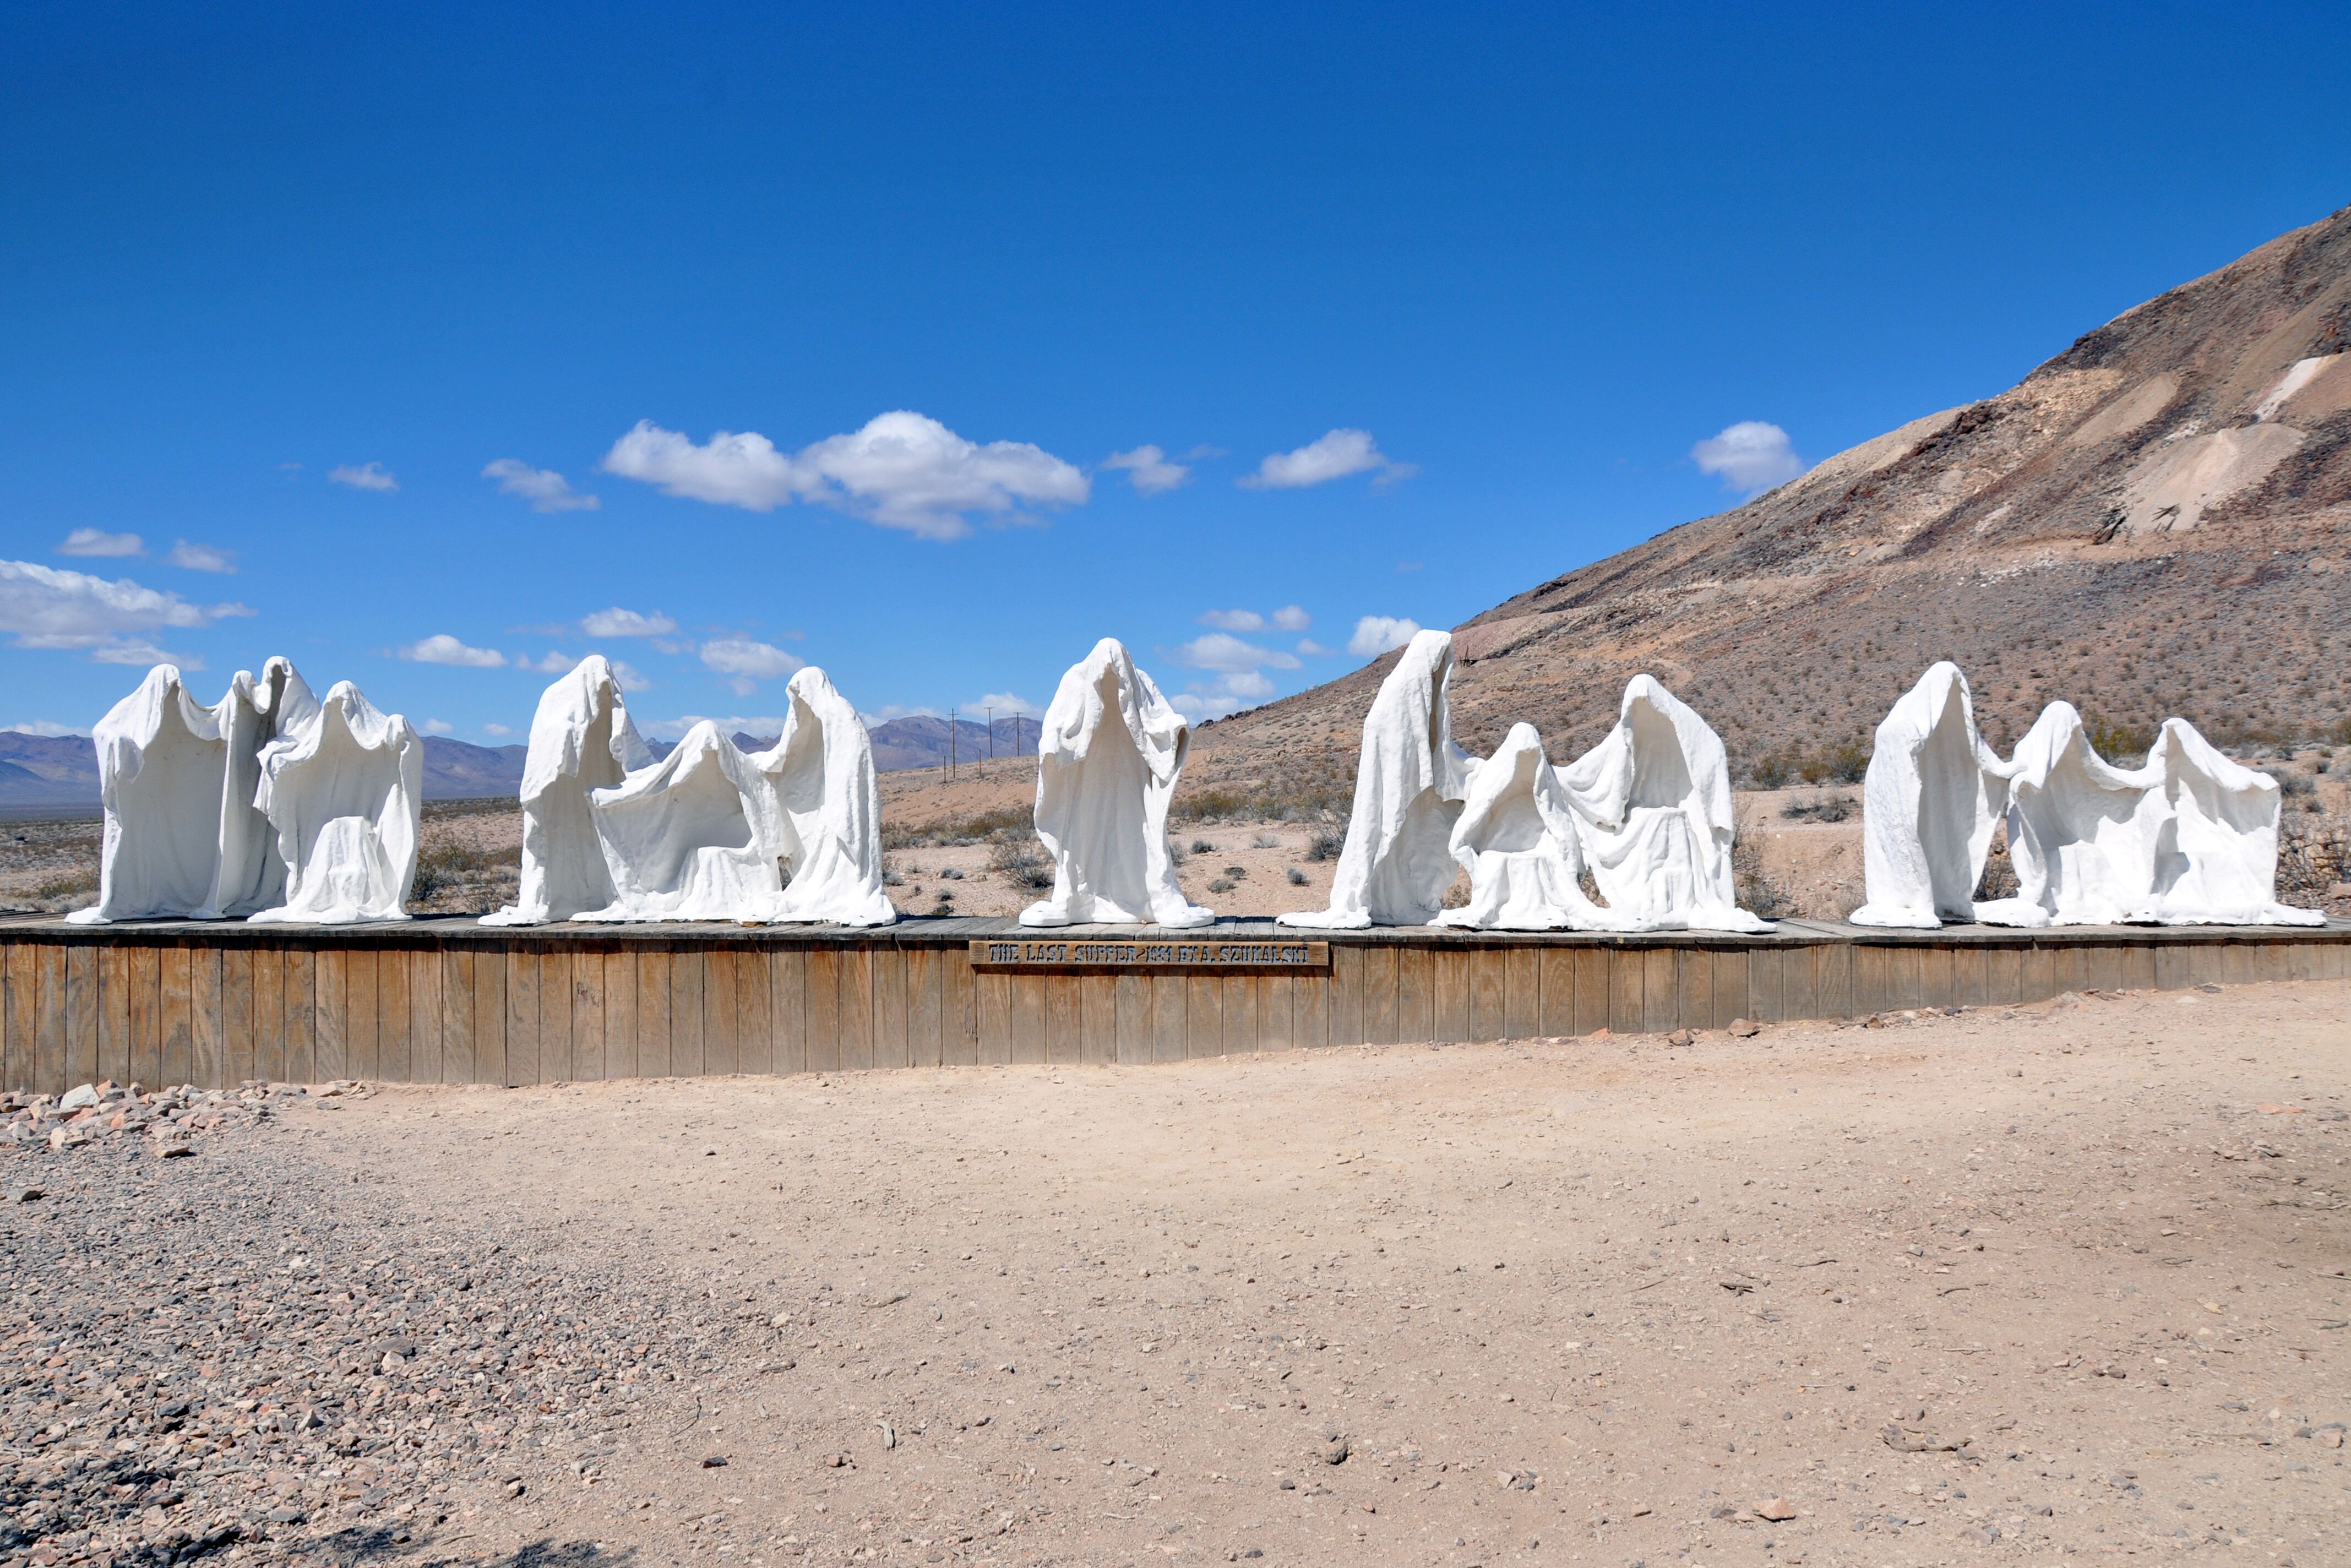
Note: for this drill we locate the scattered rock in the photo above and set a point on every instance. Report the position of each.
(713, 1461)
(1776, 1510)
(1335, 1451)
(1745, 1029)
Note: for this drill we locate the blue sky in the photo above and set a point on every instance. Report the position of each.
(1426, 305)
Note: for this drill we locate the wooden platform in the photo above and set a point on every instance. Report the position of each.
(448, 1000)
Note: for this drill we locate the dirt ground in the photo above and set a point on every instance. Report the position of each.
(2003, 1284)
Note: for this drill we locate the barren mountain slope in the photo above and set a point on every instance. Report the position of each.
(2156, 521)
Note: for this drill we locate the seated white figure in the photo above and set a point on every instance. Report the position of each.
(1109, 752)
(830, 805)
(1409, 785)
(1517, 838)
(698, 835)
(344, 793)
(581, 738)
(254, 713)
(2188, 837)
(162, 765)
(1934, 794)
(1652, 803)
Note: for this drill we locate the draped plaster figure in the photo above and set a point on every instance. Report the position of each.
(162, 767)
(698, 835)
(344, 793)
(254, 713)
(1934, 793)
(830, 805)
(1517, 838)
(581, 738)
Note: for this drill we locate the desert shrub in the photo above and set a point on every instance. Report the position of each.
(1325, 843)
(1235, 872)
(1265, 841)
(1757, 892)
(1221, 884)
(1845, 762)
(1020, 861)
(2117, 742)
(1297, 877)
(1830, 808)
(1202, 847)
(1999, 878)
(443, 866)
(950, 873)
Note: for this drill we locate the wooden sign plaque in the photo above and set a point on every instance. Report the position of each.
(1191, 953)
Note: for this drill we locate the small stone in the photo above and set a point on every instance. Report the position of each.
(1775, 1510)
(173, 1149)
(78, 1098)
(713, 1461)
(1745, 1029)
(1681, 1036)
(1335, 1451)
(26, 1195)
(891, 1300)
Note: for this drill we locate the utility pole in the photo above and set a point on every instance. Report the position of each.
(951, 745)
(992, 742)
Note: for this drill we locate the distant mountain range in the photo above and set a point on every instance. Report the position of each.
(50, 773)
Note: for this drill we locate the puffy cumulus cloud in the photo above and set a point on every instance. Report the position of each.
(1336, 455)
(1290, 618)
(619, 622)
(45, 728)
(443, 649)
(1008, 706)
(1148, 470)
(437, 727)
(1377, 634)
(112, 620)
(903, 470)
(1228, 694)
(99, 543)
(544, 488)
(748, 663)
(498, 731)
(733, 725)
(1314, 650)
(550, 663)
(1749, 456)
(189, 557)
(1224, 652)
(1234, 620)
(366, 476)
(631, 679)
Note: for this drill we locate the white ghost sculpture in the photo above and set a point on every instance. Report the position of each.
(697, 836)
(2188, 837)
(1517, 838)
(1409, 785)
(830, 805)
(345, 794)
(1652, 803)
(254, 713)
(161, 767)
(1934, 793)
(581, 738)
(1109, 753)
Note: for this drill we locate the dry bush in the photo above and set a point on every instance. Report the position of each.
(1020, 859)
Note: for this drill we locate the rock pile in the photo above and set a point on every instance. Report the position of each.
(170, 1118)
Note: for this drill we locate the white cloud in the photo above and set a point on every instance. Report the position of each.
(1750, 456)
(1148, 469)
(675, 728)
(98, 542)
(437, 727)
(548, 491)
(1223, 651)
(903, 470)
(1229, 695)
(443, 649)
(1234, 620)
(368, 476)
(631, 679)
(200, 558)
(889, 711)
(496, 731)
(1290, 618)
(1006, 705)
(619, 622)
(552, 664)
(46, 729)
(748, 661)
(44, 607)
(1375, 634)
(1314, 650)
(1336, 455)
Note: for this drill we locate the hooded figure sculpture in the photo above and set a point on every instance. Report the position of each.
(1934, 793)
(830, 805)
(1653, 807)
(254, 713)
(161, 767)
(2188, 837)
(344, 793)
(580, 740)
(1517, 838)
(697, 836)
(1109, 752)
(1410, 783)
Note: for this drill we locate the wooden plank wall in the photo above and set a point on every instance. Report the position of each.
(162, 1010)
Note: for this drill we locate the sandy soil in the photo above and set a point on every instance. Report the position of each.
(2069, 1277)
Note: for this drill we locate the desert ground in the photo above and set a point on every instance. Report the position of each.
(2008, 1285)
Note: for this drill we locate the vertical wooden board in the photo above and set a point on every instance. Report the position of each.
(2067, 967)
(1873, 979)
(330, 1033)
(651, 985)
(392, 1019)
(787, 1007)
(1276, 1011)
(456, 971)
(685, 977)
(240, 1028)
(1448, 995)
(522, 989)
(146, 1015)
(589, 1010)
(1767, 983)
(113, 1057)
(83, 996)
(1624, 991)
(1415, 995)
(2243, 966)
(1170, 997)
(2101, 967)
(210, 1059)
(52, 1021)
(1486, 978)
(13, 1059)
(1660, 1002)
(1554, 992)
(2300, 960)
(1694, 979)
(857, 1011)
(1521, 993)
(1800, 983)
(824, 1050)
(490, 1017)
(175, 1039)
(2004, 974)
(1130, 1009)
(1363, 995)
(361, 1016)
(722, 1012)
(301, 1012)
(992, 1010)
(926, 1030)
(959, 1008)
(2139, 967)
(1585, 1003)
(1938, 978)
(1028, 1040)
(894, 1044)
(1098, 1019)
(1203, 1012)
(1237, 1028)
(760, 1005)
(1834, 973)
(1730, 997)
(423, 965)
(1909, 989)
(1309, 1008)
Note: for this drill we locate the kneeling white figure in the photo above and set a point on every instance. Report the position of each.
(1653, 807)
(1934, 793)
(697, 836)
(344, 793)
(1410, 783)
(1109, 752)
(1517, 838)
(581, 738)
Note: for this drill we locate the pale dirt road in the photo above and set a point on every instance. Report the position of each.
(1589, 1302)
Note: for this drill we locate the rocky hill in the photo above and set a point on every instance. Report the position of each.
(2157, 521)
